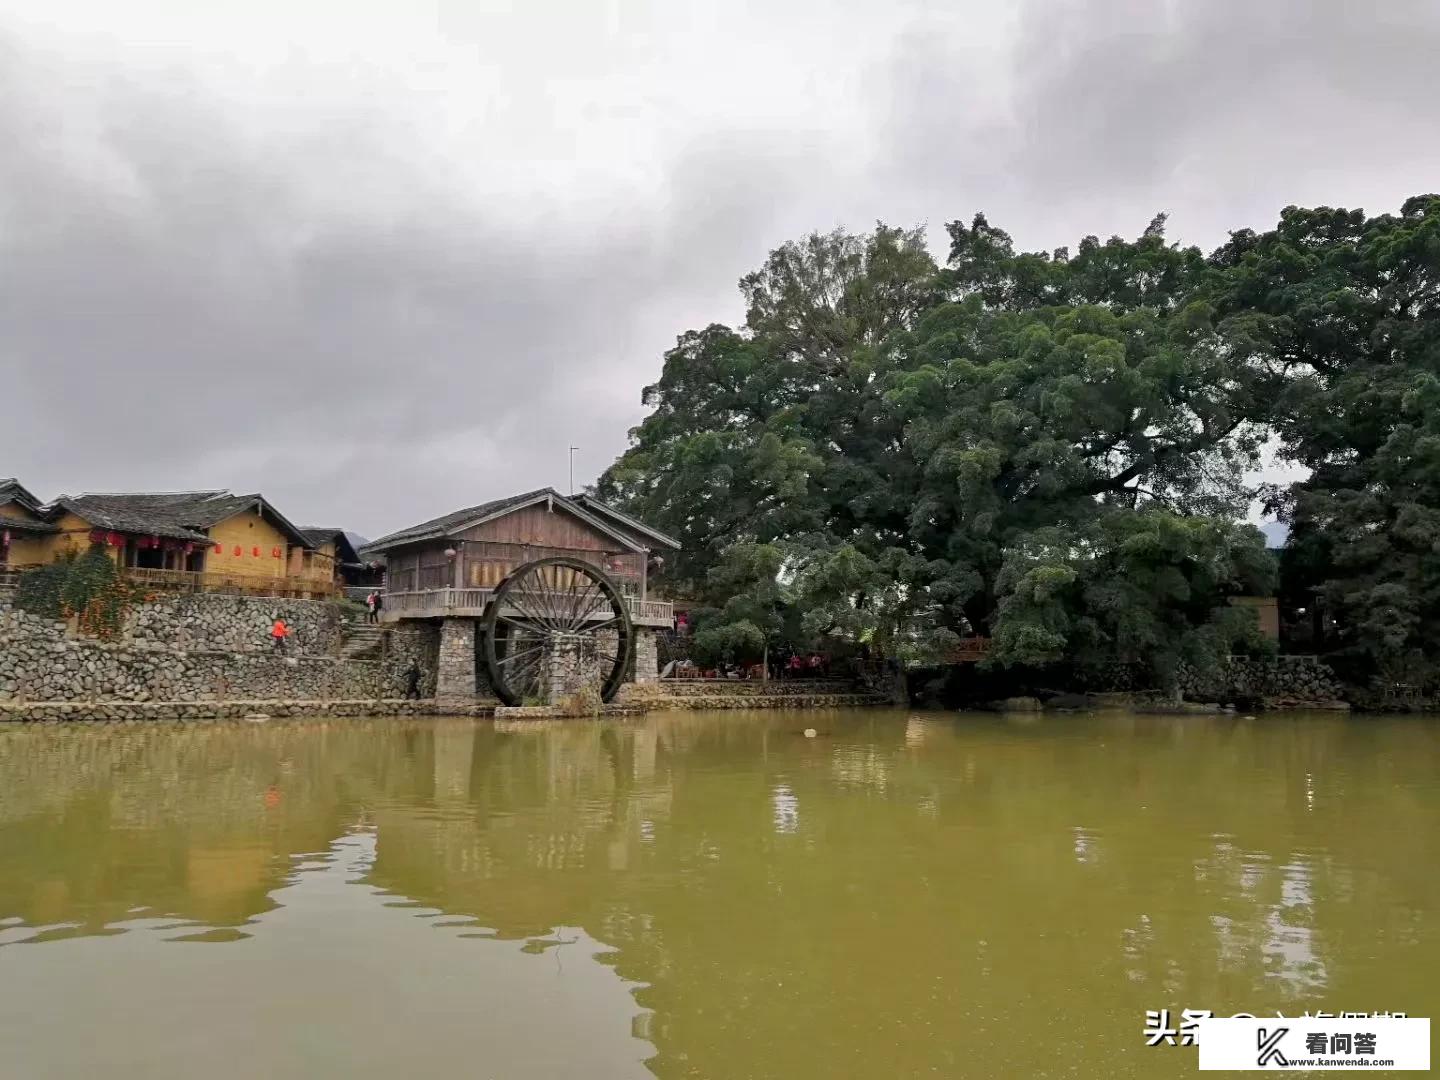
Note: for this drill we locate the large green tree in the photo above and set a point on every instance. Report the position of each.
(1347, 308)
(1049, 390)
(898, 432)
(770, 431)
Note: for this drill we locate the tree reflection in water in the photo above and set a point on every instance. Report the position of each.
(895, 898)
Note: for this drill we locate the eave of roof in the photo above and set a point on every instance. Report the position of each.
(25, 525)
(343, 547)
(460, 520)
(595, 504)
(445, 523)
(11, 490)
(176, 514)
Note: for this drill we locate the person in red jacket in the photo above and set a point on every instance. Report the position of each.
(278, 633)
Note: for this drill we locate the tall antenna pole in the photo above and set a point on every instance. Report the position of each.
(572, 468)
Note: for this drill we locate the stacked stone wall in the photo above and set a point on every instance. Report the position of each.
(46, 712)
(746, 694)
(220, 623)
(1274, 681)
(647, 665)
(39, 661)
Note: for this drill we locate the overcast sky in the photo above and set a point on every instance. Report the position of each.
(379, 261)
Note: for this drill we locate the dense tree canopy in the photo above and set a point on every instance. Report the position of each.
(1348, 308)
(1050, 449)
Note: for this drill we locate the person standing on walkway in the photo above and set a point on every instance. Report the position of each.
(379, 603)
(370, 603)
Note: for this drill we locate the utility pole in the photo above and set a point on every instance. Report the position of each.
(572, 468)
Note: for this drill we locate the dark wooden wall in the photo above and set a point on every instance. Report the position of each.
(546, 528)
(534, 531)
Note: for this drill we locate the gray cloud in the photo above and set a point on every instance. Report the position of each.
(1221, 112)
(375, 298)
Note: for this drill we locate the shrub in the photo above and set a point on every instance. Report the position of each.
(88, 586)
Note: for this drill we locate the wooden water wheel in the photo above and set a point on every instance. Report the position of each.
(550, 607)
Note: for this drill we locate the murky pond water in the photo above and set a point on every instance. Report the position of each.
(701, 895)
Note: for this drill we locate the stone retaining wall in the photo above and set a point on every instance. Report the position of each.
(647, 656)
(746, 694)
(556, 712)
(39, 662)
(220, 623)
(743, 688)
(1274, 681)
(770, 701)
(182, 711)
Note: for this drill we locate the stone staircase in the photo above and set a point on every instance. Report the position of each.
(363, 641)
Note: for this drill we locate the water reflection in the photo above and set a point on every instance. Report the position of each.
(334, 979)
(894, 898)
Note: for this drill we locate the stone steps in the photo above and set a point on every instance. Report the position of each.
(364, 641)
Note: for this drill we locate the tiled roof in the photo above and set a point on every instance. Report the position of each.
(11, 490)
(444, 525)
(599, 517)
(26, 525)
(625, 521)
(176, 514)
(344, 550)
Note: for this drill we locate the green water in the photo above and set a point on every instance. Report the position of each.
(701, 895)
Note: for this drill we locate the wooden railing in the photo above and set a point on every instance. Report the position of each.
(650, 609)
(430, 603)
(238, 584)
(968, 650)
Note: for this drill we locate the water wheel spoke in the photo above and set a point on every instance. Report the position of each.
(557, 608)
(525, 666)
(532, 603)
(549, 615)
(525, 685)
(528, 623)
(510, 658)
(524, 624)
(583, 605)
(555, 598)
(557, 603)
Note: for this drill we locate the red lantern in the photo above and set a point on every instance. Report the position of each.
(275, 553)
(238, 551)
(255, 552)
(219, 549)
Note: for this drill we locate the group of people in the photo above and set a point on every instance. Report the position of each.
(373, 603)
